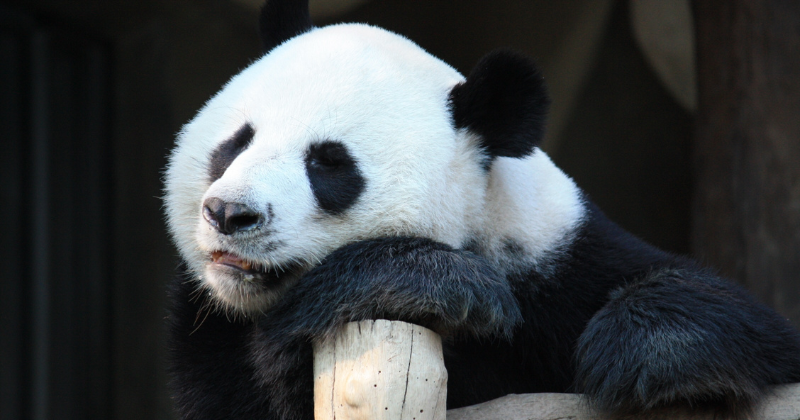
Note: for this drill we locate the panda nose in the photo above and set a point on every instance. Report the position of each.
(229, 218)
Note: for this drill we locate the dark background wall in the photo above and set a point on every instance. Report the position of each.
(92, 96)
(93, 92)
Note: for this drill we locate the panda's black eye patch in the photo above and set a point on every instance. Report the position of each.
(228, 150)
(334, 176)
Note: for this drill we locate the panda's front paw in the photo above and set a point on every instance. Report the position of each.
(409, 279)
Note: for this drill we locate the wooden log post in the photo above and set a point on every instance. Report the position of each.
(380, 370)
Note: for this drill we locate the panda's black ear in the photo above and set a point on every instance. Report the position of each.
(504, 100)
(281, 20)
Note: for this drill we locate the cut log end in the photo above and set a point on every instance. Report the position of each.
(380, 370)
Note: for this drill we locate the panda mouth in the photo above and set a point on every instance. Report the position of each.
(251, 271)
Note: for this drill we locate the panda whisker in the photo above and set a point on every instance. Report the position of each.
(196, 294)
(309, 130)
(199, 312)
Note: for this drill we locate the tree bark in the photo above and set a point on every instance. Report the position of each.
(746, 205)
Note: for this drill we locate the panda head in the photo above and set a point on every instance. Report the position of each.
(338, 134)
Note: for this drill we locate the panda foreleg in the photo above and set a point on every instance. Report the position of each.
(398, 278)
(681, 337)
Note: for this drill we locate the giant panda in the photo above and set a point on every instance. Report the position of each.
(347, 174)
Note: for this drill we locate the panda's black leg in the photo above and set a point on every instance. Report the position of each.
(684, 338)
(212, 372)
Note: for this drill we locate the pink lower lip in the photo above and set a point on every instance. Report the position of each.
(220, 257)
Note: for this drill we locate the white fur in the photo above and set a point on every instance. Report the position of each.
(386, 99)
(533, 203)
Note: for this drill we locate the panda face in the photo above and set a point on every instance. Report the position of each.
(340, 134)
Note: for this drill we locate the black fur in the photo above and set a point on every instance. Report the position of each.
(504, 99)
(334, 176)
(281, 20)
(210, 360)
(225, 369)
(227, 151)
(682, 336)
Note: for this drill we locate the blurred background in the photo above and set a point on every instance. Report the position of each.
(681, 120)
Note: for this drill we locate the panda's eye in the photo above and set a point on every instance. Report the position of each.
(324, 162)
(329, 156)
